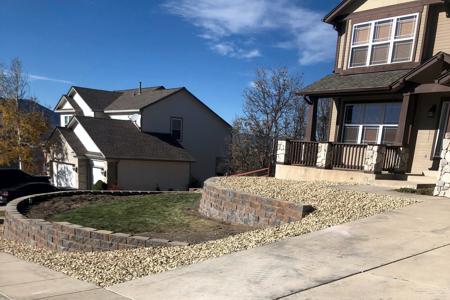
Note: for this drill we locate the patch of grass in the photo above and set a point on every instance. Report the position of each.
(160, 213)
(423, 191)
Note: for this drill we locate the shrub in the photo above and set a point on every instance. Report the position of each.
(99, 186)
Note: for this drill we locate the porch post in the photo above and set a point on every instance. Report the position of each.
(374, 158)
(283, 152)
(402, 136)
(310, 134)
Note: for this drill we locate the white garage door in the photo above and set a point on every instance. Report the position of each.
(64, 175)
(97, 175)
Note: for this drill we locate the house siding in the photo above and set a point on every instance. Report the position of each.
(442, 42)
(424, 132)
(150, 175)
(83, 174)
(204, 135)
(347, 44)
(372, 4)
(333, 121)
(420, 35)
(341, 53)
(62, 153)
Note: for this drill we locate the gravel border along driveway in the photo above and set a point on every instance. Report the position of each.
(333, 206)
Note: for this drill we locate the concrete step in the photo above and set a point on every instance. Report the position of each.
(431, 173)
(396, 184)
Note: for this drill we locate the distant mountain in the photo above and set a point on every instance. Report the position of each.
(30, 106)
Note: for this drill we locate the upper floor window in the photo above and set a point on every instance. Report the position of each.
(176, 128)
(65, 119)
(383, 41)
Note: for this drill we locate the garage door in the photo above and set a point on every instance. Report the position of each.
(64, 175)
(97, 174)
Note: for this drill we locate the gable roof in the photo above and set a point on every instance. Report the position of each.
(129, 100)
(97, 100)
(72, 139)
(71, 101)
(119, 139)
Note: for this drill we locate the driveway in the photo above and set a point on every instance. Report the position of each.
(399, 254)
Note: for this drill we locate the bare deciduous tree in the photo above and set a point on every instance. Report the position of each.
(272, 109)
(21, 130)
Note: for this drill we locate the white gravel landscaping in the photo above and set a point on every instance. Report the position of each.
(333, 206)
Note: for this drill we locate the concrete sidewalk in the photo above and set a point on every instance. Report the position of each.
(373, 257)
(23, 280)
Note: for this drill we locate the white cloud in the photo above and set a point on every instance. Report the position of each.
(221, 21)
(38, 77)
(229, 49)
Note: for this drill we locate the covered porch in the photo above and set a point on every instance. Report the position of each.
(390, 124)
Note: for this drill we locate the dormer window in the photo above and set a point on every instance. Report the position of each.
(383, 41)
(65, 120)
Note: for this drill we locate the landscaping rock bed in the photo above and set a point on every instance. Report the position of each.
(333, 206)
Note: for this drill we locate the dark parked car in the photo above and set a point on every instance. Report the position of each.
(16, 183)
(11, 177)
(25, 189)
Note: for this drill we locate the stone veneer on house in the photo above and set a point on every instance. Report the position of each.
(442, 188)
(64, 236)
(237, 207)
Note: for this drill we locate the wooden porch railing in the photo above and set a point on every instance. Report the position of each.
(348, 156)
(303, 153)
(259, 172)
(392, 158)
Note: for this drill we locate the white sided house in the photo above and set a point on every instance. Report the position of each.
(137, 139)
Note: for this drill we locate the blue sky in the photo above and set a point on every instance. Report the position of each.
(210, 46)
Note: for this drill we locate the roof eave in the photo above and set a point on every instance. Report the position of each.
(148, 158)
(330, 93)
(331, 16)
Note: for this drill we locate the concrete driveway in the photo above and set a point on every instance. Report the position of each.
(403, 254)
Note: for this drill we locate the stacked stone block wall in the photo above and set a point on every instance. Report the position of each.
(442, 188)
(64, 236)
(236, 207)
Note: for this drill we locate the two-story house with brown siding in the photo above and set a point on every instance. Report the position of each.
(390, 90)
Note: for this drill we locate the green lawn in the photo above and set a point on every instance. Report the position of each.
(172, 216)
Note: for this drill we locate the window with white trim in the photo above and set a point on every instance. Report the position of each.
(384, 41)
(371, 123)
(65, 119)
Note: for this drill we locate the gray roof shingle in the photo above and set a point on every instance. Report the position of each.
(123, 140)
(72, 140)
(129, 99)
(97, 100)
(335, 83)
(101, 100)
